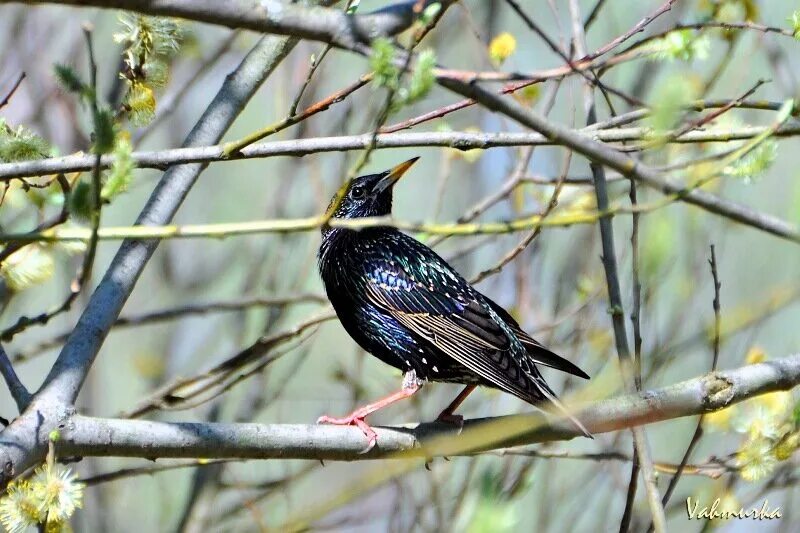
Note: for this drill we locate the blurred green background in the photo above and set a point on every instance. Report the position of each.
(556, 287)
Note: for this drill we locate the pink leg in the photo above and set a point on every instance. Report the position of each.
(356, 418)
(448, 415)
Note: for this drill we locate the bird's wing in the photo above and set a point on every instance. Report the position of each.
(439, 306)
(538, 352)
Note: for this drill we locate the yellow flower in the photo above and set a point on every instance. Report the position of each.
(141, 103)
(720, 420)
(57, 492)
(756, 459)
(501, 47)
(19, 508)
(776, 403)
(787, 446)
(759, 422)
(755, 355)
(530, 94)
(27, 267)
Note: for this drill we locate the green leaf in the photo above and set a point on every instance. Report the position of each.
(104, 131)
(756, 162)
(80, 200)
(794, 20)
(69, 79)
(679, 45)
(121, 172)
(422, 79)
(381, 60)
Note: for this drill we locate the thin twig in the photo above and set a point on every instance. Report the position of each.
(698, 431)
(10, 93)
(609, 259)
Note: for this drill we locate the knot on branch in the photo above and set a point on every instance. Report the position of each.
(717, 391)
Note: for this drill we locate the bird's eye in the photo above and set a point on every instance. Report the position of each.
(357, 192)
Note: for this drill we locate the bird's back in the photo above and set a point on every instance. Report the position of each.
(393, 292)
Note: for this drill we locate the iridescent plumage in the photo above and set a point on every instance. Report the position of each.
(404, 304)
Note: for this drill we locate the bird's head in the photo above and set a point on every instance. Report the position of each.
(371, 195)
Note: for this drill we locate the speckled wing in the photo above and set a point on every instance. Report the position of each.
(538, 352)
(438, 306)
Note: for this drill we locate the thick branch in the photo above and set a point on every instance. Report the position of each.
(268, 16)
(85, 436)
(22, 444)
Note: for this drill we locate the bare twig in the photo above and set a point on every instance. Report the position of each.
(698, 431)
(10, 93)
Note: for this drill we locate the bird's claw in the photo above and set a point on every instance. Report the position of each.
(354, 420)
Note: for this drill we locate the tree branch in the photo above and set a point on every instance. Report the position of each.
(608, 156)
(162, 159)
(15, 386)
(22, 441)
(269, 16)
(86, 436)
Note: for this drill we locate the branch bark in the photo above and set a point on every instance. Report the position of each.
(22, 441)
(268, 16)
(86, 436)
(162, 159)
(616, 160)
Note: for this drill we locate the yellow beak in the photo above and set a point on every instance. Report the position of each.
(393, 175)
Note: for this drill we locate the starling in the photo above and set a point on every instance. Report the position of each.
(401, 302)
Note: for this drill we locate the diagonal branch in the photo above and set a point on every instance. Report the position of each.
(15, 386)
(616, 160)
(22, 444)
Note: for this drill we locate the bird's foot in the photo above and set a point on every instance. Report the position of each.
(410, 385)
(356, 418)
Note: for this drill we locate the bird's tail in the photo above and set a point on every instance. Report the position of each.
(554, 406)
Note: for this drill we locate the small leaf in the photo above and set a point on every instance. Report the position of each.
(104, 131)
(755, 163)
(382, 63)
(422, 78)
(794, 20)
(69, 79)
(679, 44)
(121, 172)
(80, 200)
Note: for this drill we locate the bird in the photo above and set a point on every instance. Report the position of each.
(404, 304)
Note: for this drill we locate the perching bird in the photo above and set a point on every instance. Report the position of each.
(405, 305)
